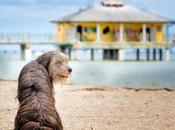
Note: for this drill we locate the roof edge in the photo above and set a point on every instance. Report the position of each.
(64, 21)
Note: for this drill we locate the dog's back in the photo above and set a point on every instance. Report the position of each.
(37, 105)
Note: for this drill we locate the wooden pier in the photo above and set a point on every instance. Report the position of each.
(111, 51)
(26, 40)
(116, 51)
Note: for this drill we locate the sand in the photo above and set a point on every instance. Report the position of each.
(98, 108)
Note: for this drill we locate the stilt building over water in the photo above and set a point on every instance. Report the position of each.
(115, 26)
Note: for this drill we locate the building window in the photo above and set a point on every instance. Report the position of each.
(132, 35)
(93, 29)
(90, 29)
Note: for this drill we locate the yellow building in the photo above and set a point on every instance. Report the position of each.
(112, 25)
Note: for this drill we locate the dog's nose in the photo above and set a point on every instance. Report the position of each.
(69, 70)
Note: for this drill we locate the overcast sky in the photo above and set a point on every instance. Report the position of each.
(35, 15)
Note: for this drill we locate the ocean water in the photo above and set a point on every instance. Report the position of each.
(109, 74)
(130, 74)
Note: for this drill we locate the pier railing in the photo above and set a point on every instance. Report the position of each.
(27, 37)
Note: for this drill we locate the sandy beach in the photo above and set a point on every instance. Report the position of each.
(99, 108)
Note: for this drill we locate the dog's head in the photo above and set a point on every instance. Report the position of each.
(56, 64)
(58, 67)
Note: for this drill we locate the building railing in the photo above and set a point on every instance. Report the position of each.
(118, 45)
(33, 38)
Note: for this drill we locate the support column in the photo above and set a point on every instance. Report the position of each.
(75, 33)
(154, 54)
(144, 38)
(111, 54)
(167, 32)
(121, 55)
(104, 54)
(115, 52)
(167, 54)
(148, 54)
(121, 33)
(70, 53)
(92, 54)
(26, 52)
(74, 54)
(137, 54)
(98, 33)
(108, 54)
(160, 54)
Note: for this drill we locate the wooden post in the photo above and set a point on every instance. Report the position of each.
(104, 54)
(121, 33)
(138, 54)
(121, 53)
(116, 53)
(92, 54)
(108, 54)
(26, 52)
(160, 54)
(111, 54)
(148, 54)
(144, 39)
(167, 54)
(154, 54)
(98, 33)
(70, 53)
(167, 32)
(63, 49)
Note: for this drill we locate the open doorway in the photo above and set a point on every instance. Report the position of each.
(80, 33)
(148, 33)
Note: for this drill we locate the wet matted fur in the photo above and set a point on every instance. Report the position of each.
(35, 92)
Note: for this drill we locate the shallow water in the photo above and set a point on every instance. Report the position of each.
(109, 73)
(103, 73)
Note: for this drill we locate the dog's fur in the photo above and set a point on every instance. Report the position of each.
(35, 92)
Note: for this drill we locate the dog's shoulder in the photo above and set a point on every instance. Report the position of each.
(32, 71)
(33, 67)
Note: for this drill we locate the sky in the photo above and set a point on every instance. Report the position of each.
(34, 16)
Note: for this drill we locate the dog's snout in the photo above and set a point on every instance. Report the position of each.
(69, 70)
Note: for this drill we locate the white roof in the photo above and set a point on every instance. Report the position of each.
(104, 13)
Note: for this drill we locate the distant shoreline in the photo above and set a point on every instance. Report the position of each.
(106, 88)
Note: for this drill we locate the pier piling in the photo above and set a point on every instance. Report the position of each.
(160, 54)
(116, 54)
(70, 53)
(148, 54)
(92, 54)
(137, 54)
(121, 55)
(154, 54)
(26, 52)
(167, 54)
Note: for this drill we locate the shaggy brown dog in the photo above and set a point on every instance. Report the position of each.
(35, 92)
